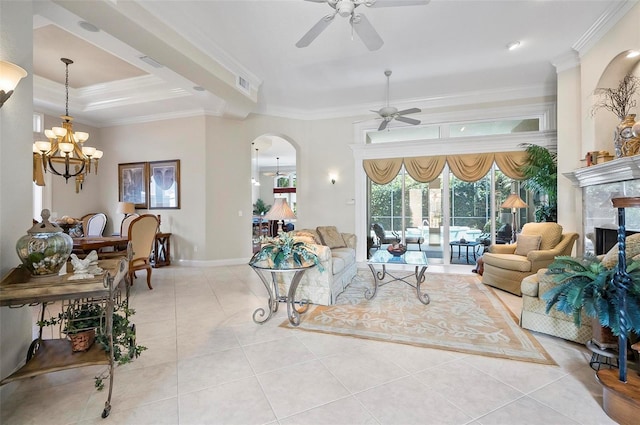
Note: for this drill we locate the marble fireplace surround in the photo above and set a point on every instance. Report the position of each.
(600, 183)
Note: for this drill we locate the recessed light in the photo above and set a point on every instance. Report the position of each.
(513, 45)
(633, 53)
(88, 26)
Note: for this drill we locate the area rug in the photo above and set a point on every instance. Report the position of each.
(464, 315)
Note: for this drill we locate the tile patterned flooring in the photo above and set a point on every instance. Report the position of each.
(208, 363)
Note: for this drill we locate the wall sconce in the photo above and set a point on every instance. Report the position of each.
(333, 177)
(10, 76)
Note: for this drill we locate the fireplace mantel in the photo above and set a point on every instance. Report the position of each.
(617, 170)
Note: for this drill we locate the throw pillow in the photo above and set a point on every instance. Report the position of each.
(632, 249)
(308, 233)
(527, 243)
(331, 237)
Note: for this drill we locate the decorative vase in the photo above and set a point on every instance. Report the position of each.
(45, 248)
(626, 143)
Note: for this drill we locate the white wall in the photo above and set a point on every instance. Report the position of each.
(578, 130)
(16, 39)
(182, 139)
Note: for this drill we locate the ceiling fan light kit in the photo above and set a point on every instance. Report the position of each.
(359, 23)
(389, 113)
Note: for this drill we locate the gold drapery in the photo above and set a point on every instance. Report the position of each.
(382, 171)
(510, 163)
(470, 167)
(38, 170)
(466, 167)
(425, 168)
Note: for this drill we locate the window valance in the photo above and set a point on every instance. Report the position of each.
(466, 167)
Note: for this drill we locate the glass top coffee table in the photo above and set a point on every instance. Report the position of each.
(410, 258)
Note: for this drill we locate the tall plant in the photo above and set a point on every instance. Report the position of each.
(541, 176)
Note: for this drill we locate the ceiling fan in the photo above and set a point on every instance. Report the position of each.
(277, 173)
(359, 23)
(389, 113)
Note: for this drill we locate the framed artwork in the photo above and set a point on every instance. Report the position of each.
(164, 184)
(133, 183)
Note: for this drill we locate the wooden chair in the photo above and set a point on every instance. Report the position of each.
(141, 234)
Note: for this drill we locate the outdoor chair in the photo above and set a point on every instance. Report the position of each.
(384, 237)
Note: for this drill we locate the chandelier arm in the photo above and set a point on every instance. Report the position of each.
(66, 173)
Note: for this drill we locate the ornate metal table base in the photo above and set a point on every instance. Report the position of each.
(293, 312)
(378, 277)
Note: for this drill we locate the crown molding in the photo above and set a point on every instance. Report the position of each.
(603, 25)
(567, 61)
(448, 100)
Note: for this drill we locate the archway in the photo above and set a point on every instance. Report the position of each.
(273, 175)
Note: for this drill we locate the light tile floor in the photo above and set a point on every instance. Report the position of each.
(208, 363)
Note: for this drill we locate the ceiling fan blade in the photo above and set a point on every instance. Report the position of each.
(408, 120)
(393, 3)
(366, 32)
(409, 111)
(383, 125)
(315, 30)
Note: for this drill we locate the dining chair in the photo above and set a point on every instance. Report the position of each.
(96, 224)
(126, 222)
(141, 234)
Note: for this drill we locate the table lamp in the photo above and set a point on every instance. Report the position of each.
(126, 208)
(279, 211)
(514, 202)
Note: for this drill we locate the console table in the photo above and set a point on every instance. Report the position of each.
(161, 255)
(18, 289)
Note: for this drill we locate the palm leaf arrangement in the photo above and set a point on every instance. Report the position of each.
(285, 251)
(585, 285)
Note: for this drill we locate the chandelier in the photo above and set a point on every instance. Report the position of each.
(65, 148)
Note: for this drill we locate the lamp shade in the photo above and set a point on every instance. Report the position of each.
(513, 201)
(280, 211)
(10, 75)
(126, 208)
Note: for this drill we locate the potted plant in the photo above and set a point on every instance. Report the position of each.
(83, 322)
(586, 286)
(541, 176)
(80, 323)
(286, 251)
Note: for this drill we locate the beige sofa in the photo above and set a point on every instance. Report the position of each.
(337, 254)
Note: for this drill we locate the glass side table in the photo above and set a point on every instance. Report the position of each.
(382, 258)
(270, 282)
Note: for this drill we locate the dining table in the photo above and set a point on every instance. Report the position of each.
(88, 244)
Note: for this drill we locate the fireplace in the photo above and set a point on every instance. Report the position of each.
(600, 183)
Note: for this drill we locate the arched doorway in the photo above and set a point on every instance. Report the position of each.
(273, 175)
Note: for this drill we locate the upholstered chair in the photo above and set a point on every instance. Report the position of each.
(141, 235)
(536, 247)
(126, 222)
(535, 318)
(95, 225)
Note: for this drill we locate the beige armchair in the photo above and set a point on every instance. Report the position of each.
(534, 316)
(537, 245)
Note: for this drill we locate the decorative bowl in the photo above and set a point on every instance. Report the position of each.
(396, 250)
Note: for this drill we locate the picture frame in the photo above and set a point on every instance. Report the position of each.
(164, 184)
(133, 183)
